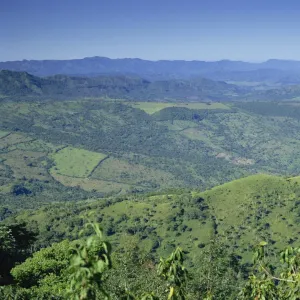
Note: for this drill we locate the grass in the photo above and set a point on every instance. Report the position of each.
(76, 162)
(5, 189)
(13, 139)
(259, 207)
(153, 107)
(120, 171)
(26, 164)
(37, 145)
(89, 184)
(3, 133)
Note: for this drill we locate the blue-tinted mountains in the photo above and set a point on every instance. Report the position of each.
(282, 71)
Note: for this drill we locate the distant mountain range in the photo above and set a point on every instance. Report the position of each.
(279, 71)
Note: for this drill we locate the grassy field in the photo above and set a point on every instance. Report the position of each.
(35, 145)
(3, 133)
(76, 162)
(89, 184)
(153, 107)
(264, 209)
(120, 171)
(13, 139)
(26, 164)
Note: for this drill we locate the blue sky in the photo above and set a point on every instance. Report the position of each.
(150, 29)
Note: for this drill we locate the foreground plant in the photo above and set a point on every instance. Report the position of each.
(266, 285)
(175, 273)
(88, 263)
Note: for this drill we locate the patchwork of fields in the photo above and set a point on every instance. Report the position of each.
(120, 147)
(29, 159)
(26, 158)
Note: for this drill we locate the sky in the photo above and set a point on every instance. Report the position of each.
(208, 30)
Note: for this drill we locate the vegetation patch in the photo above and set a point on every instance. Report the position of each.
(3, 134)
(153, 107)
(27, 164)
(89, 184)
(76, 162)
(13, 139)
(120, 171)
(35, 145)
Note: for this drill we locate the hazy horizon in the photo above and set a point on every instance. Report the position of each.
(153, 60)
(155, 30)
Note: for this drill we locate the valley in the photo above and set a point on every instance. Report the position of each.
(200, 175)
(149, 150)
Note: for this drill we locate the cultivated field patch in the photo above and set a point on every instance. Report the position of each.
(134, 174)
(36, 145)
(26, 164)
(75, 162)
(3, 133)
(90, 184)
(153, 107)
(13, 139)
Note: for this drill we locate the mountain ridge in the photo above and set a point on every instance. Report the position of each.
(165, 68)
(14, 83)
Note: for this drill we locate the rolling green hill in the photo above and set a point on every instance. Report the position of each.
(240, 213)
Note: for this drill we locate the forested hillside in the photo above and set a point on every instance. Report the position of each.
(16, 84)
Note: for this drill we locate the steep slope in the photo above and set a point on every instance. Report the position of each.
(20, 83)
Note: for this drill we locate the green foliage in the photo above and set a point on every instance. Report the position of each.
(85, 269)
(15, 243)
(88, 263)
(133, 272)
(265, 284)
(182, 145)
(219, 274)
(175, 273)
(7, 240)
(51, 261)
